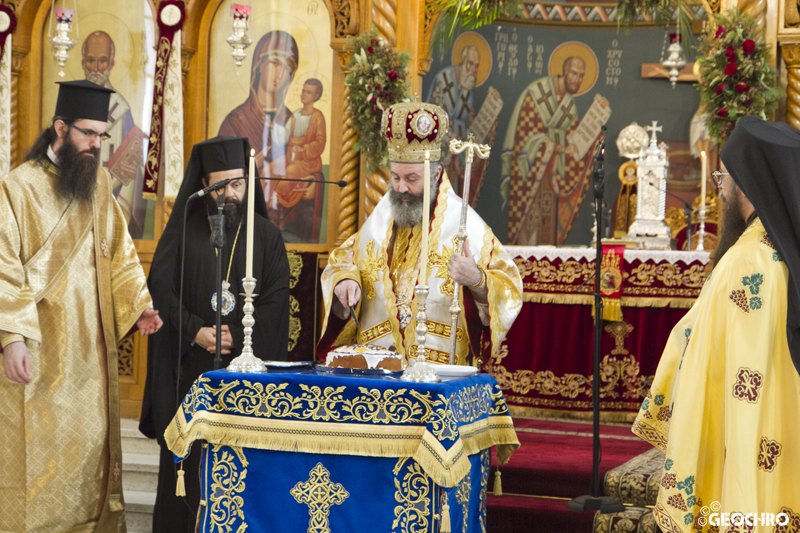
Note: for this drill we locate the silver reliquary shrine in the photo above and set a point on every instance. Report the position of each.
(649, 227)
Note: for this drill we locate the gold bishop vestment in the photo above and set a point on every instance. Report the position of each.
(387, 311)
(72, 285)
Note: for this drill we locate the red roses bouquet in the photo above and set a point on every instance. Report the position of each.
(377, 79)
(736, 78)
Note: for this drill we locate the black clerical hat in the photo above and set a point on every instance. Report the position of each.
(82, 100)
(223, 153)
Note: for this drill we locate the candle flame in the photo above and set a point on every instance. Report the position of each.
(427, 154)
(252, 152)
(703, 153)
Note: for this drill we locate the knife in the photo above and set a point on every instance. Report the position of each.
(355, 317)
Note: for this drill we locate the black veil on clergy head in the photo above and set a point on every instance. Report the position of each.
(763, 159)
(219, 153)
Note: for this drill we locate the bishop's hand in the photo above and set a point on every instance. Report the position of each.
(149, 322)
(347, 293)
(17, 362)
(463, 269)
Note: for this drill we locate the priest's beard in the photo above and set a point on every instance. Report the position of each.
(77, 171)
(733, 223)
(233, 211)
(409, 213)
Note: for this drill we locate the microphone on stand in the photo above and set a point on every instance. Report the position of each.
(221, 184)
(593, 501)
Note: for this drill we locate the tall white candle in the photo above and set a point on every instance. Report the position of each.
(251, 194)
(426, 219)
(703, 177)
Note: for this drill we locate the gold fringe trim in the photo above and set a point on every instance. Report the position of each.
(180, 488)
(612, 311)
(444, 525)
(150, 195)
(674, 303)
(537, 412)
(625, 301)
(446, 467)
(547, 298)
(497, 489)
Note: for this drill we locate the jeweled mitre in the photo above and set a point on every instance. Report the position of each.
(411, 128)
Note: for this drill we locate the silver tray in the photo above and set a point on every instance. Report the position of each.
(288, 364)
(358, 372)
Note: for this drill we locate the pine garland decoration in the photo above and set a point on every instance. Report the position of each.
(377, 80)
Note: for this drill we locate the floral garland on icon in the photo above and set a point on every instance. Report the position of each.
(377, 80)
(736, 78)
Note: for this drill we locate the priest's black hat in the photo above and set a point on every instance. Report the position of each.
(222, 153)
(82, 100)
(763, 159)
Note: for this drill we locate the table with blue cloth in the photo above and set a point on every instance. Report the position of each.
(308, 451)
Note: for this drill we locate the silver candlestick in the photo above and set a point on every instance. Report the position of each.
(702, 233)
(422, 371)
(247, 362)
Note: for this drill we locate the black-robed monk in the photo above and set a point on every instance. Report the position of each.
(270, 336)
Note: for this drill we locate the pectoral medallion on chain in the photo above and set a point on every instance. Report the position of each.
(228, 300)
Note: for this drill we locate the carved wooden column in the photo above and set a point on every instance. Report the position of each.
(350, 163)
(758, 10)
(791, 56)
(17, 59)
(347, 16)
(384, 17)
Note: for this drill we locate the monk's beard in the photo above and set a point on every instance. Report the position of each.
(407, 214)
(733, 223)
(77, 171)
(233, 211)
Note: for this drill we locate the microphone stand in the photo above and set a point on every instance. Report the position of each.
(218, 241)
(594, 501)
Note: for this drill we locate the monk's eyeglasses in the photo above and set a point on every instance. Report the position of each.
(90, 134)
(716, 177)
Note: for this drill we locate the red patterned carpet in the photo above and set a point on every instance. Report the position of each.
(553, 465)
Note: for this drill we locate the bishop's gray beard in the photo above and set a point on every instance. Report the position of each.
(77, 172)
(407, 214)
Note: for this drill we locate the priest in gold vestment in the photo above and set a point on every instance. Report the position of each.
(725, 401)
(376, 270)
(71, 287)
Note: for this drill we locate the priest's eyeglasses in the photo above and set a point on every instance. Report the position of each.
(92, 135)
(716, 177)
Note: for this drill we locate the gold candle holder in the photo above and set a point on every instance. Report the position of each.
(422, 371)
(247, 362)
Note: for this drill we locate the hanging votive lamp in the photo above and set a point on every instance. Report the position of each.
(675, 61)
(62, 43)
(239, 39)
